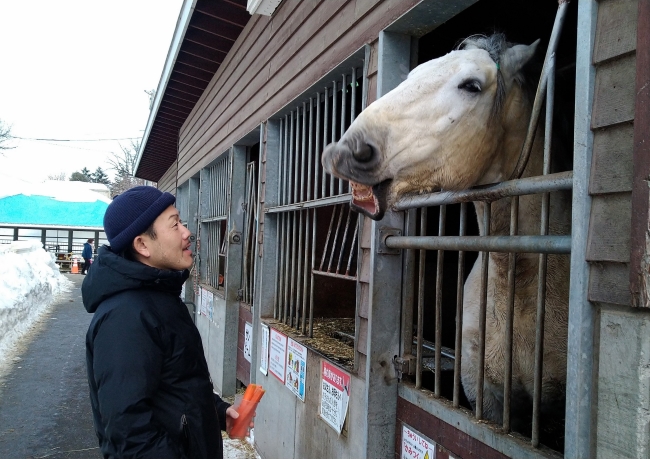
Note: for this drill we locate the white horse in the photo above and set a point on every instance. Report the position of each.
(456, 122)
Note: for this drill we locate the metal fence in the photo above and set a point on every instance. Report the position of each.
(250, 234)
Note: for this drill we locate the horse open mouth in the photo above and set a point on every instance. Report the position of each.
(370, 200)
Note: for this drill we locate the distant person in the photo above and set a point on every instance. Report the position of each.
(87, 255)
(150, 388)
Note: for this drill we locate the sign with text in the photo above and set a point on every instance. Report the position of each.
(248, 340)
(296, 365)
(415, 445)
(264, 357)
(277, 354)
(203, 306)
(334, 395)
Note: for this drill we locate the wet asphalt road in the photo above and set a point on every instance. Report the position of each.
(44, 405)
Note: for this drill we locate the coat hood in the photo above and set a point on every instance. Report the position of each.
(111, 274)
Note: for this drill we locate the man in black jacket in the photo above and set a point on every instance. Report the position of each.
(150, 389)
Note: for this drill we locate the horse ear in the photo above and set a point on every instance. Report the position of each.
(516, 57)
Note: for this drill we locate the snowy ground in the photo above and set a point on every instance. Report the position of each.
(29, 282)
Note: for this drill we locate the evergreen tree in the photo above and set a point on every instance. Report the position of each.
(88, 174)
(99, 176)
(79, 177)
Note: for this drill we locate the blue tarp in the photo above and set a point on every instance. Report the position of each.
(43, 210)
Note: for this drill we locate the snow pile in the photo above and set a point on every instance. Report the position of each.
(29, 281)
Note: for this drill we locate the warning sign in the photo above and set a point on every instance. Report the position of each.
(334, 396)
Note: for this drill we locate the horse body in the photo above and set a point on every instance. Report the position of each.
(456, 122)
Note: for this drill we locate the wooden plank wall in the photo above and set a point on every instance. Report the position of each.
(610, 184)
(273, 61)
(168, 181)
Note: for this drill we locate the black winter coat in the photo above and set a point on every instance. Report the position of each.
(150, 388)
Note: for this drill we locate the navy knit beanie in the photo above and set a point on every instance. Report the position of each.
(132, 212)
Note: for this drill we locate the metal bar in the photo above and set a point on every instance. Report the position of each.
(524, 244)
(439, 274)
(310, 149)
(303, 151)
(322, 202)
(280, 164)
(460, 282)
(333, 128)
(336, 238)
(294, 254)
(293, 156)
(343, 241)
(276, 305)
(313, 264)
(541, 90)
(353, 249)
(343, 126)
(485, 260)
(529, 185)
(327, 239)
(510, 312)
(317, 143)
(541, 276)
(420, 325)
(285, 163)
(325, 126)
(334, 275)
(306, 275)
(408, 289)
(299, 269)
(283, 267)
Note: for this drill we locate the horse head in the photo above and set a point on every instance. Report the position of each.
(447, 126)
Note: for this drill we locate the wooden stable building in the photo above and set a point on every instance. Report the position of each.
(356, 341)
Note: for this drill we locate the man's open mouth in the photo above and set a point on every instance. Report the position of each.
(370, 200)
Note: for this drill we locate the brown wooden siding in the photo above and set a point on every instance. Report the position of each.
(168, 181)
(274, 61)
(608, 244)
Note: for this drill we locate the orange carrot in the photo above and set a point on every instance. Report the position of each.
(246, 411)
(248, 393)
(257, 395)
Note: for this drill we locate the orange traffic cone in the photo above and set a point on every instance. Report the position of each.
(75, 268)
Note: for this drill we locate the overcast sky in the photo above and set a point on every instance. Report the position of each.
(78, 69)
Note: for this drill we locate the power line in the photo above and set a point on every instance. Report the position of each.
(72, 140)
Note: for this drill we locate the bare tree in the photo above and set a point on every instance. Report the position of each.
(124, 166)
(5, 136)
(61, 177)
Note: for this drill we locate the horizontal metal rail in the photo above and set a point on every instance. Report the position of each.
(488, 193)
(340, 199)
(506, 244)
(214, 219)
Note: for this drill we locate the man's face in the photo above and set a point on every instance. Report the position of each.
(171, 248)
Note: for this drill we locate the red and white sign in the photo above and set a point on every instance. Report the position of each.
(334, 395)
(277, 354)
(416, 446)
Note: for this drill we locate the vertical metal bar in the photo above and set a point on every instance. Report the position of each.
(310, 151)
(299, 269)
(353, 248)
(285, 161)
(439, 274)
(280, 164)
(313, 264)
(327, 239)
(510, 312)
(333, 127)
(485, 259)
(344, 240)
(353, 105)
(283, 268)
(343, 127)
(316, 150)
(325, 128)
(336, 237)
(291, 161)
(420, 332)
(460, 282)
(541, 276)
(295, 158)
(306, 275)
(303, 152)
(276, 284)
(294, 271)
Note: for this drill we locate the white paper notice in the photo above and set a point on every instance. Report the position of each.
(415, 446)
(210, 304)
(334, 395)
(264, 357)
(296, 365)
(248, 340)
(203, 301)
(277, 354)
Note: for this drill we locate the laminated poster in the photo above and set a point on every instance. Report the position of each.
(334, 395)
(416, 446)
(277, 354)
(202, 304)
(210, 304)
(296, 365)
(264, 357)
(248, 341)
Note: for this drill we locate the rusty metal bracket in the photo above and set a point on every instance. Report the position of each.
(385, 233)
(404, 365)
(235, 237)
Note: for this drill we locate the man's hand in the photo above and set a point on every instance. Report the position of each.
(231, 415)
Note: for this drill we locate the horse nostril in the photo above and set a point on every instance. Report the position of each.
(364, 153)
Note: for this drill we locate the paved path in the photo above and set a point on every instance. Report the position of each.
(44, 406)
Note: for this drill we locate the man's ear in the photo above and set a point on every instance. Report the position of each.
(141, 247)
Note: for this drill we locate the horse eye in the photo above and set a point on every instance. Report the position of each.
(470, 86)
